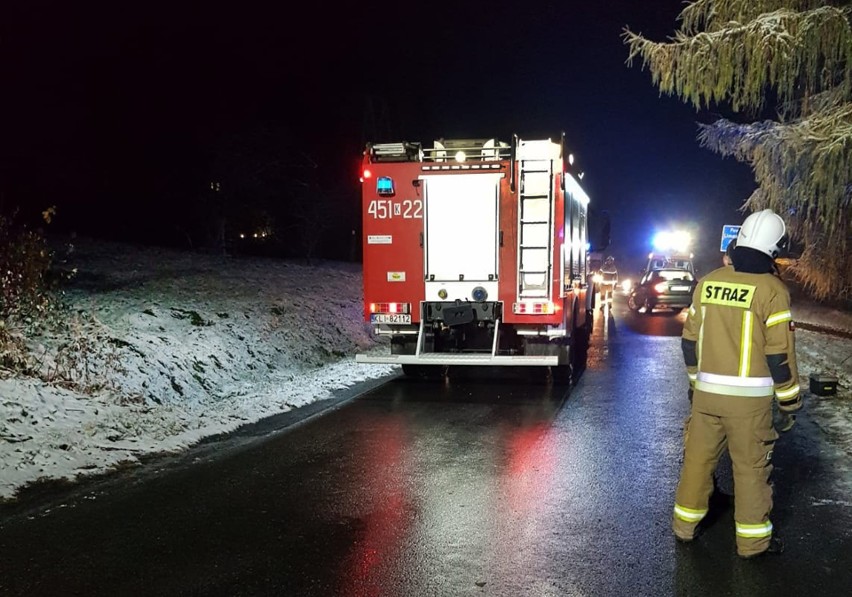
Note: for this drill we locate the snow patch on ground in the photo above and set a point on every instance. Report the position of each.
(189, 346)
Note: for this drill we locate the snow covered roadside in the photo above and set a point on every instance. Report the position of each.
(192, 345)
(51, 433)
(821, 353)
(189, 346)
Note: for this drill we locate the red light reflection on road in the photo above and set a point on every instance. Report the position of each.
(530, 465)
(382, 491)
(521, 497)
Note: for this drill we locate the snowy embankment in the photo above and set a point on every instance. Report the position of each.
(187, 346)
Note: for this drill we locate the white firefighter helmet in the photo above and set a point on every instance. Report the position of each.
(763, 231)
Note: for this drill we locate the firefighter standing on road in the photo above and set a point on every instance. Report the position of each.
(609, 280)
(739, 350)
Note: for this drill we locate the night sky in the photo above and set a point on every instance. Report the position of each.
(117, 113)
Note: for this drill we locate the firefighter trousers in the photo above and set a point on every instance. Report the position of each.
(745, 424)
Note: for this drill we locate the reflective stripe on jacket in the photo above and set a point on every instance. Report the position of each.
(738, 337)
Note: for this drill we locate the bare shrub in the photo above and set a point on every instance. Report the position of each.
(24, 263)
(87, 360)
(25, 294)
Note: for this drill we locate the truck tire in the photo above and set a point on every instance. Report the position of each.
(562, 374)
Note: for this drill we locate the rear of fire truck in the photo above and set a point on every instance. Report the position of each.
(475, 253)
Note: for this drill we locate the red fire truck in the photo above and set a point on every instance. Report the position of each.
(475, 253)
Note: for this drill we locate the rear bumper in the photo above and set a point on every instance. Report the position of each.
(672, 300)
(441, 358)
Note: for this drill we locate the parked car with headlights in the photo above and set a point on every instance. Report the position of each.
(669, 288)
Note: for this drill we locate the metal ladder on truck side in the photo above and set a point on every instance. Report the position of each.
(535, 218)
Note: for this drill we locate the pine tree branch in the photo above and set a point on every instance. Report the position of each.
(787, 51)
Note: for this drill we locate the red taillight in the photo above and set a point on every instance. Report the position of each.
(534, 308)
(366, 174)
(390, 307)
(661, 287)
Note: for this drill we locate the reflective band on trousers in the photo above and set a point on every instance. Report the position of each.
(689, 514)
(757, 531)
(788, 393)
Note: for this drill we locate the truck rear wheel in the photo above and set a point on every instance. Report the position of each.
(562, 374)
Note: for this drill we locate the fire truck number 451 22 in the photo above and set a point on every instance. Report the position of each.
(387, 209)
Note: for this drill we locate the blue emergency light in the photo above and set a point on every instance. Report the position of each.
(384, 186)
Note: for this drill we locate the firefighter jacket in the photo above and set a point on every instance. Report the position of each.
(738, 338)
(609, 275)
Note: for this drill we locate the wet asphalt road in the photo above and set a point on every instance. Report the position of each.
(489, 483)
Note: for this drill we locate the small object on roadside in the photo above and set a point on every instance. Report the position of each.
(823, 384)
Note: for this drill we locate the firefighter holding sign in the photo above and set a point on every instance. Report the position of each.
(739, 350)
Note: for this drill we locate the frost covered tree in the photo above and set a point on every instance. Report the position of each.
(783, 69)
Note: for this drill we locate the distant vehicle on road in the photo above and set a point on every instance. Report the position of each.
(671, 288)
(671, 261)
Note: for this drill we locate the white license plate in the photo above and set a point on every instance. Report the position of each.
(680, 288)
(397, 318)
